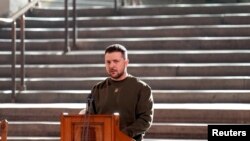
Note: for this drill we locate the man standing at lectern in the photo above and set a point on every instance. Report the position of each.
(124, 94)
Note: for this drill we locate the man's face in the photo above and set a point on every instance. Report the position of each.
(116, 65)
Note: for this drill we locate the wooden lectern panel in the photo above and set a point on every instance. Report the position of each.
(4, 129)
(91, 128)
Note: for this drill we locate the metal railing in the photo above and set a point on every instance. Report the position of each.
(67, 46)
(12, 20)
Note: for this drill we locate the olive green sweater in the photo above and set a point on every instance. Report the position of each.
(131, 98)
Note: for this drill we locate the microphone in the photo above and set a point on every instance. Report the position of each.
(89, 104)
(86, 123)
(90, 108)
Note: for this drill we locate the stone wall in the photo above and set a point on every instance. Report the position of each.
(10, 7)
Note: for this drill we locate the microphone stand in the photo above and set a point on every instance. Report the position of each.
(85, 132)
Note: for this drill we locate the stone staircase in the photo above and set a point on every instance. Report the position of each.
(195, 57)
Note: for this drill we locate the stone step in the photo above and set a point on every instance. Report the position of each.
(28, 128)
(141, 70)
(80, 3)
(15, 138)
(145, 56)
(179, 131)
(166, 139)
(226, 113)
(178, 119)
(134, 21)
(157, 83)
(135, 32)
(160, 96)
(204, 113)
(181, 114)
(159, 130)
(110, 3)
(201, 96)
(158, 43)
(32, 138)
(171, 9)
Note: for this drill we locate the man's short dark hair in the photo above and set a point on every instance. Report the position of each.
(117, 48)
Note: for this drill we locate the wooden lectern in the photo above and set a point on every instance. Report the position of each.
(91, 128)
(4, 129)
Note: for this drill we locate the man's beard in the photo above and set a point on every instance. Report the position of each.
(117, 76)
